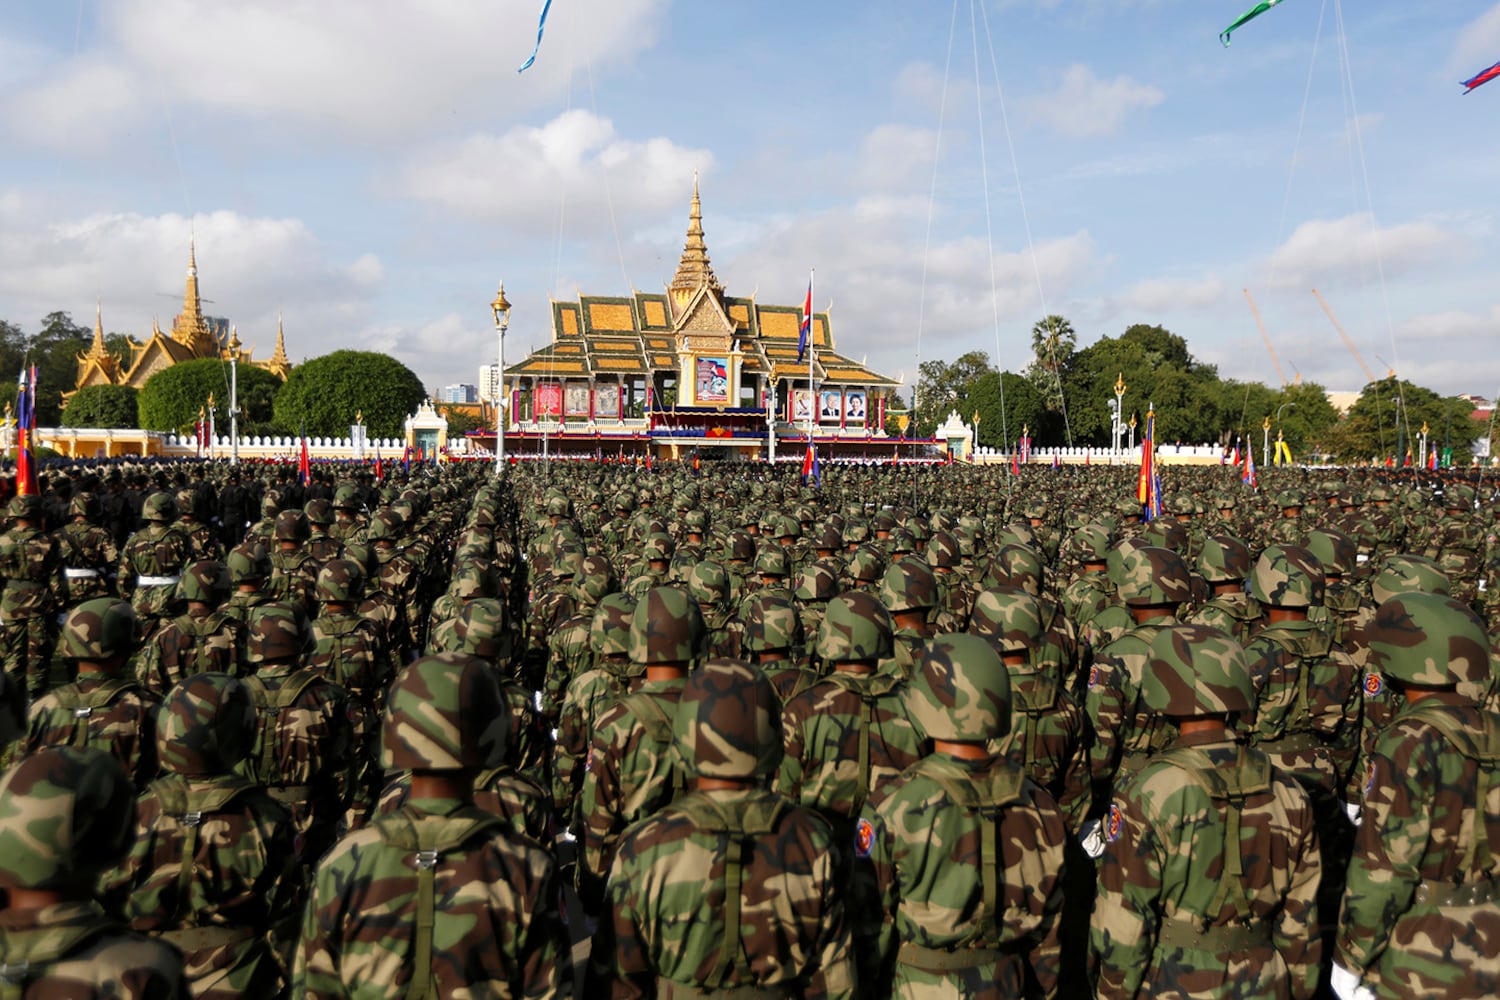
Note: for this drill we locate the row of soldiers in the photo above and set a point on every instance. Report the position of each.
(916, 727)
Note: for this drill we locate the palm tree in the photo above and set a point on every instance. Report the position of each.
(1052, 342)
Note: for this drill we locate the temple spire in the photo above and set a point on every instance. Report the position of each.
(190, 328)
(96, 349)
(279, 363)
(694, 270)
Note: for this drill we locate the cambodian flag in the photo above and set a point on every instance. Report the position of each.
(25, 431)
(304, 462)
(1481, 78)
(1248, 477)
(804, 332)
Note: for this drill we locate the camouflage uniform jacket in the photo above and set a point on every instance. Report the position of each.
(790, 676)
(669, 900)
(156, 552)
(633, 770)
(591, 694)
(955, 603)
(501, 791)
(399, 579)
(186, 646)
(497, 931)
(352, 530)
(824, 729)
(294, 578)
(1088, 594)
(1307, 702)
(31, 566)
(570, 655)
(115, 715)
(349, 652)
(1171, 917)
(88, 558)
(1233, 614)
(1049, 740)
(202, 540)
(242, 604)
(237, 916)
(302, 750)
(1125, 732)
(74, 950)
(323, 547)
(968, 856)
(1456, 544)
(1421, 914)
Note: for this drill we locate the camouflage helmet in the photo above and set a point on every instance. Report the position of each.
(385, 525)
(772, 561)
(341, 581)
(609, 632)
(278, 633)
(1091, 543)
(559, 506)
(1011, 620)
(1034, 509)
(1223, 559)
(942, 550)
(739, 547)
(1167, 533)
(1333, 549)
(1196, 670)
(1458, 497)
(829, 538)
(1289, 498)
(1429, 639)
(856, 626)
(205, 725)
(291, 526)
(85, 505)
(483, 630)
(444, 712)
(1015, 565)
(856, 532)
(595, 580)
(901, 542)
(816, 584)
(66, 815)
(908, 585)
(771, 622)
(1287, 576)
(665, 627)
(1151, 577)
(98, 630)
(248, 561)
(961, 690)
(318, 512)
(728, 722)
(1401, 574)
(658, 547)
(270, 504)
(346, 497)
(159, 507)
(708, 583)
(27, 505)
(866, 564)
(205, 581)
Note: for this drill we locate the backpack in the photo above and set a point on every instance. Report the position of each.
(82, 704)
(269, 707)
(430, 837)
(189, 806)
(1484, 750)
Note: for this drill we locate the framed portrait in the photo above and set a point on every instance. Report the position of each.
(576, 399)
(830, 406)
(854, 406)
(712, 380)
(549, 401)
(607, 401)
(802, 405)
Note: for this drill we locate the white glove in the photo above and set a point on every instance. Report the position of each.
(1353, 810)
(1092, 838)
(1346, 985)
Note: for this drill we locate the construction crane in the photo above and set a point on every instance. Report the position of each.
(1369, 375)
(1266, 337)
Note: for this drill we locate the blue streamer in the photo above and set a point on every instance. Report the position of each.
(540, 27)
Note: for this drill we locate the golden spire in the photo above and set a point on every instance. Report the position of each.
(190, 328)
(279, 363)
(96, 349)
(98, 355)
(694, 270)
(234, 341)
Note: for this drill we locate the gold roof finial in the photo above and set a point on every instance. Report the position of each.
(694, 270)
(234, 340)
(279, 363)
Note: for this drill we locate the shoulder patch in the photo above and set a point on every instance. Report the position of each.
(1093, 675)
(1114, 823)
(1374, 685)
(1369, 776)
(864, 838)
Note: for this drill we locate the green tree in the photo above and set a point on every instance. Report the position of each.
(1006, 403)
(324, 394)
(941, 388)
(1388, 417)
(108, 406)
(1053, 342)
(170, 399)
(461, 421)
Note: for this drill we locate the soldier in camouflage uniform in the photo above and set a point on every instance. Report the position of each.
(1456, 542)
(249, 568)
(708, 585)
(591, 693)
(632, 763)
(773, 641)
(967, 850)
(1345, 611)
(203, 542)
(31, 568)
(294, 572)
(570, 653)
(151, 563)
(88, 552)
(909, 592)
(262, 531)
(484, 631)
(1208, 883)
(348, 652)
(302, 751)
(848, 735)
(1091, 591)
(104, 709)
(399, 579)
(1223, 566)
(955, 599)
(66, 815)
(202, 640)
(438, 899)
(757, 910)
(348, 520)
(214, 868)
(1421, 915)
(321, 545)
(656, 558)
(1289, 527)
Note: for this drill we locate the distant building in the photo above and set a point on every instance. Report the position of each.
(489, 381)
(461, 392)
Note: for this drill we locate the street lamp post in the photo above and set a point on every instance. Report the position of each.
(1265, 442)
(1120, 388)
(974, 451)
(1132, 432)
(501, 308)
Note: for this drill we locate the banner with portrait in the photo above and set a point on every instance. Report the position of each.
(855, 406)
(831, 406)
(576, 399)
(549, 400)
(802, 405)
(711, 386)
(607, 401)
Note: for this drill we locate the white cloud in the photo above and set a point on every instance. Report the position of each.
(896, 158)
(372, 70)
(1476, 45)
(1337, 250)
(1451, 326)
(575, 163)
(1158, 295)
(1086, 106)
(134, 265)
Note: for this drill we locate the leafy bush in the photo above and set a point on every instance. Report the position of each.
(106, 406)
(324, 394)
(171, 398)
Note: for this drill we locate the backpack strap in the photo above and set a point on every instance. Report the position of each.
(189, 806)
(986, 797)
(25, 958)
(430, 837)
(1482, 748)
(82, 704)
(273, 704)
(658, 724)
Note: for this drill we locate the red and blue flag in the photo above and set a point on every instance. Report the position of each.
(1481, 78)
(804, 332)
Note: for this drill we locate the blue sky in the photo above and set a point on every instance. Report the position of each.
(371, 168)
